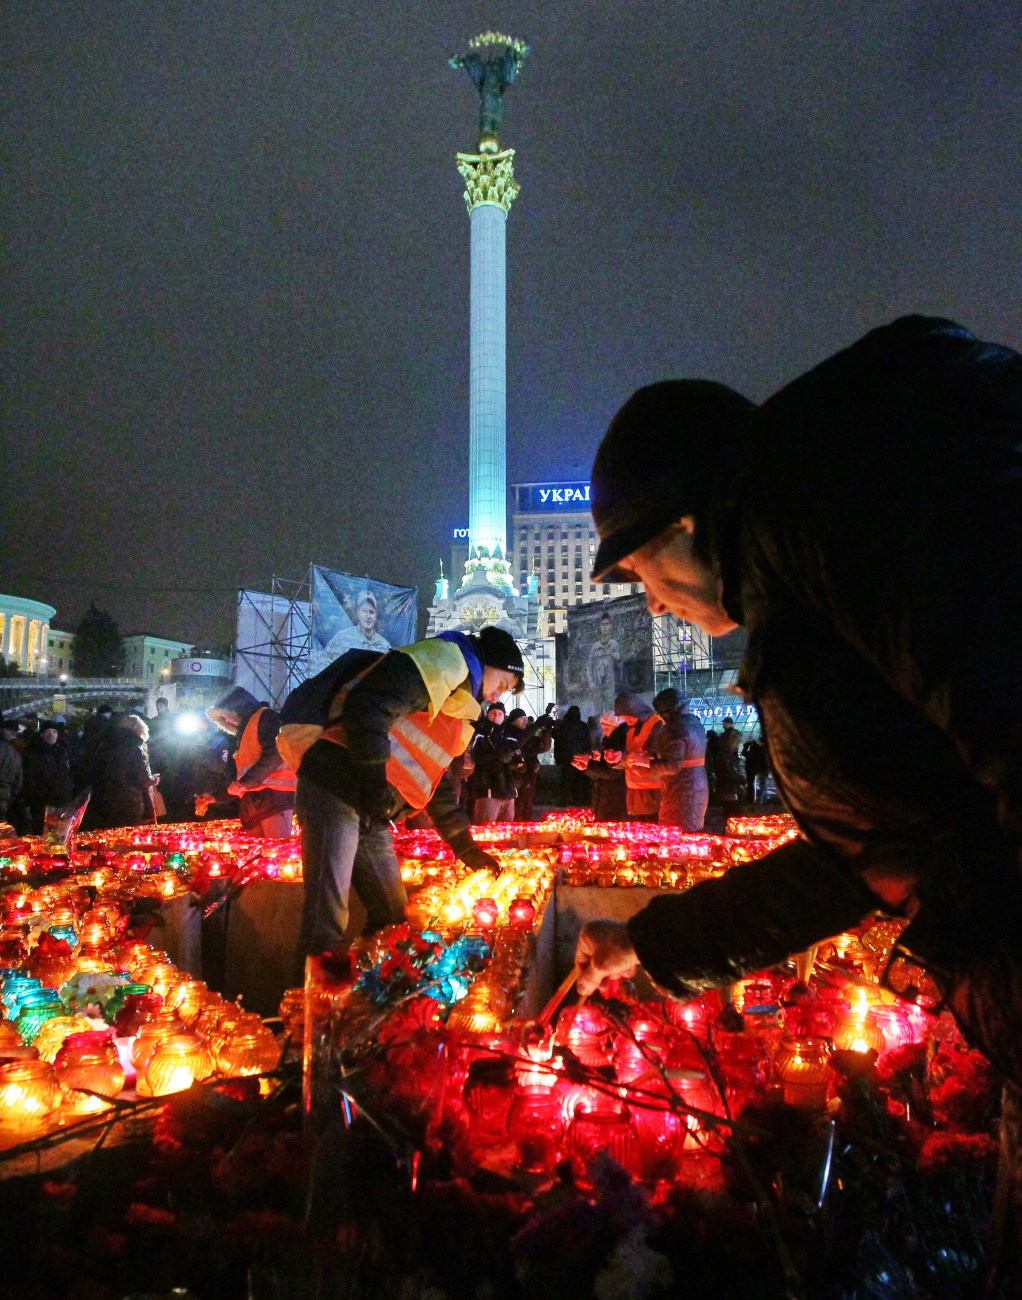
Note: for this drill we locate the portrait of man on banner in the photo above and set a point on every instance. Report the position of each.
(603, 667)
(352, 613)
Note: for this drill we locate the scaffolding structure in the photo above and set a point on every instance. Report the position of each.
(274, 638)
(540, 679)
(703, 668)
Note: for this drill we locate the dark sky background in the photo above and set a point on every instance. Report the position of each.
(235, 280)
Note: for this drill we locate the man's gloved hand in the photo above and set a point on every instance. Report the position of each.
(472, 855)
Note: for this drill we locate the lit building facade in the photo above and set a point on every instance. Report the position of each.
(59, 652)
(24, 629)
(151, 656)
(554, 538)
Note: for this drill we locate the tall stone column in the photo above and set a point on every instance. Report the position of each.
(490, 188)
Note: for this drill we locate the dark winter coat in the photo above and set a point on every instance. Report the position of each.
(679, 759)
(571, 737)
(609, 794)
(499, 765)
(880, 508)
(122, 781)
(391, 689)
(727, 767)
(11, 776)
(47, 778)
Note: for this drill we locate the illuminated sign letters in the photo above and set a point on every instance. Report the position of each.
(553, 496)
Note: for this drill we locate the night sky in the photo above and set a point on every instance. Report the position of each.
(235, 280)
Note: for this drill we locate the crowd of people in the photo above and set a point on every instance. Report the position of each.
(137, 770)
(651, 763)
(658, 763)
(638, 761)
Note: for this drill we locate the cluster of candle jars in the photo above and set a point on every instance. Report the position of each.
(656, 1090)
(656, 1109)
(478, 901)
(87, 1014)
(168, 856)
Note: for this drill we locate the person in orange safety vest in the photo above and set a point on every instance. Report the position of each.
(264, 785)
(371, 738)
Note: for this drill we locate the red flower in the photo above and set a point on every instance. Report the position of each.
(954, 1150)
(138, 1214)
(910, 1058)
(50, 946)
(64, 1193)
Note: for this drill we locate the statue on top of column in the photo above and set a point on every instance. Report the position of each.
(492, 60)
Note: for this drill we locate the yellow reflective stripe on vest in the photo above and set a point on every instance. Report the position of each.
(414, 770)
(417, 737)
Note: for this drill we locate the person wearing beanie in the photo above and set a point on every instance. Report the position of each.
(371, 738)
(605, 770)
(497, 767)
(47, 774)
(263, 785)
(678, 759)
(642, 788)
(847, 525)
(572, 741)
(86, 749)
(535, 738)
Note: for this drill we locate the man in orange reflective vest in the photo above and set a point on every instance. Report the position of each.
(644, 728)
(372, 737)
(264, 785)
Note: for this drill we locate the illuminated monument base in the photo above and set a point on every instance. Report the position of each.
(485, 596)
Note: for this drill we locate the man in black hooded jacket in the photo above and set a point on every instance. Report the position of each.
(865, 527)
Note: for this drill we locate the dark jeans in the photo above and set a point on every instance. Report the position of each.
(338, 851)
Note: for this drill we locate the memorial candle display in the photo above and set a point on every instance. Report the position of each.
(437, 1006)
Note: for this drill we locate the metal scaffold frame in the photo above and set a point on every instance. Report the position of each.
(686, 657)
(274, 638)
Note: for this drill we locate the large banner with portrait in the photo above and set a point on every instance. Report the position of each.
(608, 649)
(353, 613)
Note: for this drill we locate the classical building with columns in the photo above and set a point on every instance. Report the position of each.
(24, 628)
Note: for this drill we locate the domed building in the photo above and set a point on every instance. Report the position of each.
(24, 627)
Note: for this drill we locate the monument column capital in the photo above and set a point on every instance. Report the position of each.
(489, 178)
